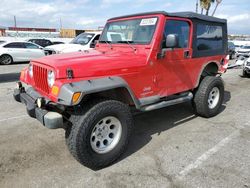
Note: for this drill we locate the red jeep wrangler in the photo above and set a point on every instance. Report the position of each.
(145, 61)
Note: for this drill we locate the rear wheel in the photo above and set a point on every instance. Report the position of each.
(209, 96)
(6, 60)
(100, 134)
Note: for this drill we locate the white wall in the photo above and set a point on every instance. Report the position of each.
(65, 40)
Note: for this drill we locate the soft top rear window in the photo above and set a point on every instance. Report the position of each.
(209, 37)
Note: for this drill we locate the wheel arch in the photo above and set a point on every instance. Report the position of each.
(211, 68)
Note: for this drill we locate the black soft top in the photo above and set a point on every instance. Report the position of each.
(190, 15)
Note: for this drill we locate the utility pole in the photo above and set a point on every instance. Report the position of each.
(15, 21)
(197, 4)
(60, 23)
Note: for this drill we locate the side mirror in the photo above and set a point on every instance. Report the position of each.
(172, 41)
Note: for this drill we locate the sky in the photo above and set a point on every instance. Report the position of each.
(90, 14)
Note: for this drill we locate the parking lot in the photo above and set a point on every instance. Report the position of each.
(170, 147)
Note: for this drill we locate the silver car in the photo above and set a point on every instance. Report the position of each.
(19, 52)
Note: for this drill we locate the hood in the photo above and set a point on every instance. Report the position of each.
(93, 63)
(64, 48)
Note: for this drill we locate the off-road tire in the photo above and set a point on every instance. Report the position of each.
(10, 61)
(78, 135)
(244, 74)
(200, 101)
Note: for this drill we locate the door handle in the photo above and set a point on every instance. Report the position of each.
(187, 54)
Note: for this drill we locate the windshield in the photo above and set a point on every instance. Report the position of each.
(82, 39)
(230, 44)
(137, 31)
(246, 47)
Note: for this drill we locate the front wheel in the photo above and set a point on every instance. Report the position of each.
(6, 60)
(209, 96)
(100, 135)
(244, 74)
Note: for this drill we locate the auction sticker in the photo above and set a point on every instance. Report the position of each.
(148, 21)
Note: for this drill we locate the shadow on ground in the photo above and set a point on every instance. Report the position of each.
(13, 76)
(158, 121)
(9, 77)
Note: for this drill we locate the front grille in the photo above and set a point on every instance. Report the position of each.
(49, 52)
(40, 78)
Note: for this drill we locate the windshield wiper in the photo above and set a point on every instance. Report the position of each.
(107, 42)
(129, 43)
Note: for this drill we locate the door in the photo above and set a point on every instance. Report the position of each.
(175, 66)
(33, 51)
(17, 50)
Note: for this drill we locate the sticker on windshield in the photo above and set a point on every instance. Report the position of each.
(148, 21)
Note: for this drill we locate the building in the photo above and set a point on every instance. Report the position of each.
(32, 32)
(2, 31)
(72, 33)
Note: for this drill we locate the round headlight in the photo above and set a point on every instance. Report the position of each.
(51, 78)
(31, 70)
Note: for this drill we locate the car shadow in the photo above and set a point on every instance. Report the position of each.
(155, 122)
(9, 77)
(13, 76)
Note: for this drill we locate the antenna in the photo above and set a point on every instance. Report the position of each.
(15, 21)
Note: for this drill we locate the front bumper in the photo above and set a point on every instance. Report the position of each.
(50, 119)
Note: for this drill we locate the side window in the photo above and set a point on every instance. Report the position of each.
(94, 41)
(14, 45)
(96, 37)
(209, 37)
(30, 46)
(181, 29)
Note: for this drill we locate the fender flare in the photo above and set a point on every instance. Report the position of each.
(93, 86)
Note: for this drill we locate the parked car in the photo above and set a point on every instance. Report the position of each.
(19, 52)
(41, 42)
(2, 41)
(244, 51)
(82, 42)
(237, 47)
(231, 50)
(246, 68)
(157, 59)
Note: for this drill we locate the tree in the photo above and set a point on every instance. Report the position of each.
(206, 4)
(217, 4)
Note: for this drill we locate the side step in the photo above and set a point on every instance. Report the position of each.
(162, 104)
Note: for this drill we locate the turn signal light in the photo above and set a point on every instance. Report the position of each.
(22, 75)
(76, 97)
(55, 90)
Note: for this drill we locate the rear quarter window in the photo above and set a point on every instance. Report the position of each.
(14, 45)
(209, 37)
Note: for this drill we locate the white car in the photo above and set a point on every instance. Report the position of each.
(19, 52)
(246, 68)
(82, 42)
(244, 51)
